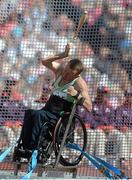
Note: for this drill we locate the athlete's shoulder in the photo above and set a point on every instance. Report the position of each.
(81, 83)
(59, 72)
(80, 80)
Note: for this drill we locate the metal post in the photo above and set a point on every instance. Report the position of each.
(65, 134)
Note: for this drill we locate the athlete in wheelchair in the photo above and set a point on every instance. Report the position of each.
(44, 129)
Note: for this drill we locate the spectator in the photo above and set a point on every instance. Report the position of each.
(124, 112)
(104, 60)
(121, 137)
(4, 142)
(6, 9)
(98, 120)
(6, 93)
(101, 109)
(47, 86)
(11, 110)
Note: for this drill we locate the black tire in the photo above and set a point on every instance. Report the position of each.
(58, 136)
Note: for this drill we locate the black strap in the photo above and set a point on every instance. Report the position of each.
(77, 95)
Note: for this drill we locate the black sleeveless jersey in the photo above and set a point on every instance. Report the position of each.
(55, 105)
(59, 100)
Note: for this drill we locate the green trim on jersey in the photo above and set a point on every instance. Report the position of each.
(62, 90)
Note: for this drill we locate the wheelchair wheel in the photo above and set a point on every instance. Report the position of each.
(77, 134)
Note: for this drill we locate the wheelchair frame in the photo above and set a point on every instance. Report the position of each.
(58, 155)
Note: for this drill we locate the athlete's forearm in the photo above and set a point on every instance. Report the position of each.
(85, 101)
(55, 66)
(88, 105)
(62, 55)
(51, 59)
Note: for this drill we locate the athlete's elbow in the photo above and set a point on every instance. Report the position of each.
(46, 64)
(88, 106)
(43, 62)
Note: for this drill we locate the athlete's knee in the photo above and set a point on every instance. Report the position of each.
(28, 111)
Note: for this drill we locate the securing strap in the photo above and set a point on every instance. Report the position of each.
(118, 172)
(32, 165)
(100, 164)
(6, 152)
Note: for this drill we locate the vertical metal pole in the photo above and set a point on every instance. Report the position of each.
(65, 134)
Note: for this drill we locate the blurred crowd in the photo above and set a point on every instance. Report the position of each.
(34, 29)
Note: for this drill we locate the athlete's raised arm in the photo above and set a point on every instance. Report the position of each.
(50, 61)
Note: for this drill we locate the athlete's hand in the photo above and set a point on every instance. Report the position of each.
(67, 50)
(72, 91)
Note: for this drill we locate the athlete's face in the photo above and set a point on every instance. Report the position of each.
(69, 73)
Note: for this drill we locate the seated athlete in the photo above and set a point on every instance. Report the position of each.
(68, 85)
